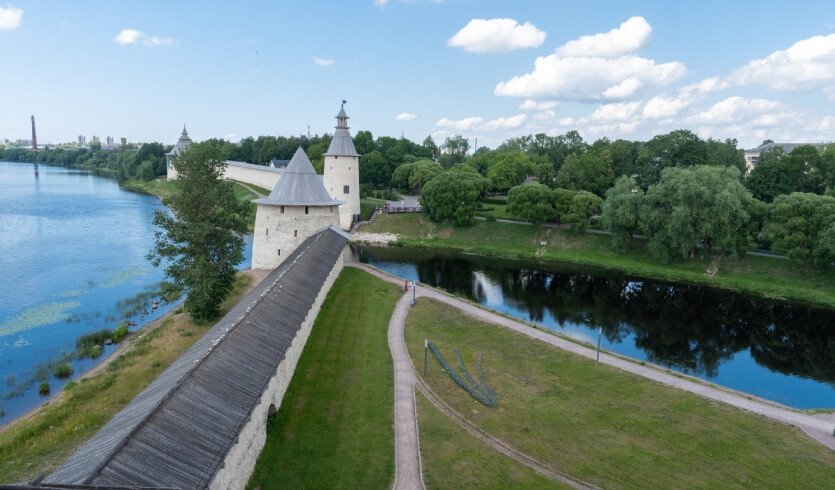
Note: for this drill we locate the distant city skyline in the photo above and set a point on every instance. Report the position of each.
(488, 70)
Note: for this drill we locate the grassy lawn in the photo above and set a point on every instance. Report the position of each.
(40, 443)
(608, 427)
(498, 211)
(773, 278)
(334, 428)
(454, 458)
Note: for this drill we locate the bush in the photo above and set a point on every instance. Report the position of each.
(120, 333)
(90, 345)
(62, 371)
(43, 389)
(532, 202)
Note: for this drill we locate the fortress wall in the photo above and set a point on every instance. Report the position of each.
(261, 176)
(239, 463)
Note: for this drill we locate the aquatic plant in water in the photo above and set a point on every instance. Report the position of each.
(37, 316)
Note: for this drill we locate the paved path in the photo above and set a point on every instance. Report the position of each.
(406, 445)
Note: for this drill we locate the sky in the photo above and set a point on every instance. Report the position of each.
(484, 69)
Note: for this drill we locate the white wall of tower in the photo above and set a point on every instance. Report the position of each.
(341, 171)
(278, 233)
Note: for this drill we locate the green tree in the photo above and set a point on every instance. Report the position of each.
(804, 225)
(584, 205)
(424, 171)
(431, 149)
(374, 169)
(621, 211)
(364, 142)
(532, 202)
(562, 203)
(454, 150)
(590, 171)
(676, 148)
(771, 177)
(508, 169)
(400, 176)
(201, 239)
(452, 196)
(696, 207)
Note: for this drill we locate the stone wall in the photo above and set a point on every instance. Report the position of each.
(259, 175)
(239, 463)
(280, 229)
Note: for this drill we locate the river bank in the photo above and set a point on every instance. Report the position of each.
(769, 277)
(42, 439)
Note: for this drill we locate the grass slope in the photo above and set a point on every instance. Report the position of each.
(334, 428)
(38, 444)
(454, 458)
(770, 277)
(608, 427)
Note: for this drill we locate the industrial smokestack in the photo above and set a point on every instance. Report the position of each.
(34, 135)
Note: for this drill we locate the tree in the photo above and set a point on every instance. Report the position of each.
(424, 171)
(364, 142)
(454, 150)
(532, 202)
(771, 177)
(374, 169)
(400, 176)
(696, 207)
(508, 169)
(202, 238)
(583, 206)
(452, 196)
(590, 171)
(621, 211)
(804, 225)
(676, 148)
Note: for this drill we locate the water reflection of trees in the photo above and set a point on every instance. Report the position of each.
(690, 327)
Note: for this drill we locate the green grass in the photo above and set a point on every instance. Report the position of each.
(160, 187)
(608, 427)
(770, 277)
(454, 458)
(498, 211)
(367, 207)
(37, 444)
(334, 428)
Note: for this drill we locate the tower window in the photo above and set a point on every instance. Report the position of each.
(346, 189)
(282, 209)
(306, 210)
(279, 252)
(295, 233)
(267, 232)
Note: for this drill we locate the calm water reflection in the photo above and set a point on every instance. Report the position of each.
(72, 247)
(776, 350)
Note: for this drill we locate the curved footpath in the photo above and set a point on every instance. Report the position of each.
(821, 427)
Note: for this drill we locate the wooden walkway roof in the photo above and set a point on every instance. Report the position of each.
(177, 432)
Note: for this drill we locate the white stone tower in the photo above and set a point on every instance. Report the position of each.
(296, 208)
(179, 147)
(342, 171)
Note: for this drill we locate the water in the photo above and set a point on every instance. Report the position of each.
(72, 245)
(779, 351)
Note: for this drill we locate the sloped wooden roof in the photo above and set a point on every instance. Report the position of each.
(177, 432)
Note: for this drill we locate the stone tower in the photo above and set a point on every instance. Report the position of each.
(179, 147)
(297, 207)
(342, 171)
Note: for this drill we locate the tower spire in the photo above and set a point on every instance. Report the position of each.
(342, 117)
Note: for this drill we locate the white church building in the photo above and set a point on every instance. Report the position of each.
(301, 202)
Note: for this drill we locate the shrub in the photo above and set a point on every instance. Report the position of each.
(90, 345)
(120, 333)
(43, 389)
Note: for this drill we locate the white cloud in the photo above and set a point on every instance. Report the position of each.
(660, 107)
(615, 112)
(380, 3)
(533, 105)
(10, 17)
(504, 123)
(323, 61)
(129, 36)
(624, 89)
(476, 123)
(496, 36)
(706, 86)
(133, 36)
(827, 124)
(621, 128)
(461, 124)
(589, 78)
(807, 64)
(405, 117)
(631, 36)
(734, 110)
(597, 67)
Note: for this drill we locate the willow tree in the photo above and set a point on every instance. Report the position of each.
(201, 238)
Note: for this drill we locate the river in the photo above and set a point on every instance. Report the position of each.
(780, 351)
(72, 261)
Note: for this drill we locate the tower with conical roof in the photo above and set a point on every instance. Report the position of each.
(297, 207)
(179, 147)
(342, 171)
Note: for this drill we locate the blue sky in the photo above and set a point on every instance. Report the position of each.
(485, 69)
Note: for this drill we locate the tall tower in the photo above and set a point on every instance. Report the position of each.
(34, 136)
(179, 147)
(342, 171)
